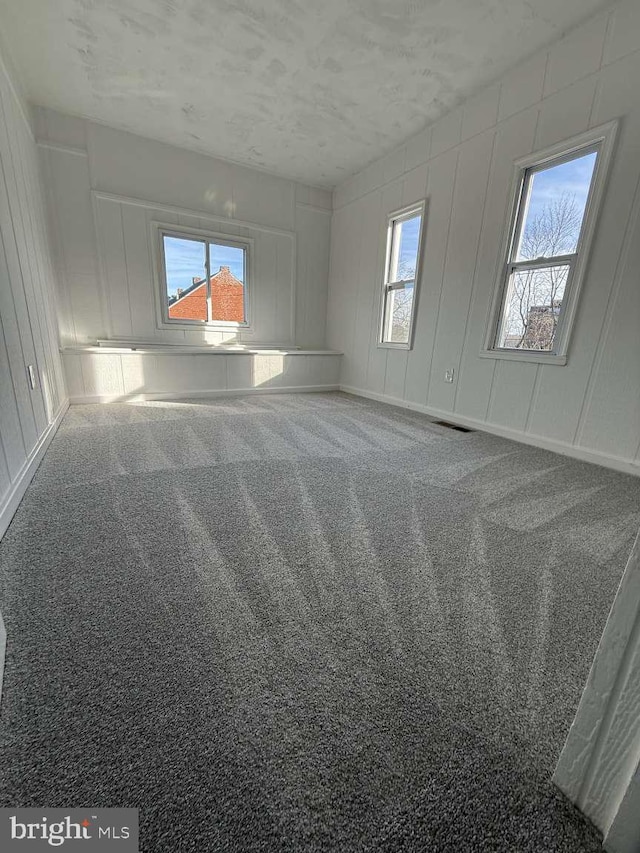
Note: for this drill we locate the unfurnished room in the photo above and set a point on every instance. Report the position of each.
(320, 426)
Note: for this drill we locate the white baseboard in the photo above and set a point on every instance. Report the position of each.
(618, 463)
(193, 395)
(25, 475)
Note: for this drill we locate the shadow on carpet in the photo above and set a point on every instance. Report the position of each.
(305, 622)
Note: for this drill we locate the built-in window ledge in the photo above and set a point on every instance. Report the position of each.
(140, 343)
(524, 355)
(391, 345)
(177, 349)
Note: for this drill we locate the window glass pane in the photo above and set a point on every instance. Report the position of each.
(398, 314)
(185, 266)
(404, 258)
(555, 209)
(227, 266)
(532, 308)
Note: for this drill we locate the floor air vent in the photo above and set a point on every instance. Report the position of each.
(453, 426)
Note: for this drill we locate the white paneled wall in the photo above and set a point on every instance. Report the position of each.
(599, 767)
(28, 328)
(106, 186)
(463, 165)
(127, 254)
(102, 375)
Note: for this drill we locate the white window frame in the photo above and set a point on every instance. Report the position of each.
(600, 139)
(162, 229)
(393, 218)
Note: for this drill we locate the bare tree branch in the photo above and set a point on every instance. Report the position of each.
(536, 295)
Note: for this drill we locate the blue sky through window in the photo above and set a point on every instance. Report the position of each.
(408, 254)
(573, 177)
(185, 259)
(549, 186)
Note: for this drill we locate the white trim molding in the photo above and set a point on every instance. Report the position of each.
(617, 463)
(191, 211)
(599, 768)
(65, 149)
(25, 475)
(316, 208)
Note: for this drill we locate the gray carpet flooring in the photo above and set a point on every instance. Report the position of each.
(305, 623)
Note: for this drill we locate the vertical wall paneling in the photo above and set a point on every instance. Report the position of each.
(16, 253)
(108, 219)
(17, 334)
(590, 406)
(313, 229)
(136, 264)
(474, 161)
(369, 279)
(128, 263)
(475, 375)
(442, 178)
(105, 188)
(28, 322)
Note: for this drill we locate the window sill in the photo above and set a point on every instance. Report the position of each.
(202, 326)
(523, 355)
(404, 347)
(122, 348)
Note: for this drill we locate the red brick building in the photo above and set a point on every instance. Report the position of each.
(227, 299)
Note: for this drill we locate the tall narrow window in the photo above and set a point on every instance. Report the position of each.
(404, 236)
(553, 216)
(204, 279)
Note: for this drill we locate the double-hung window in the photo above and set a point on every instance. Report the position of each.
(204, 279)
(555, 203)
(402, 273)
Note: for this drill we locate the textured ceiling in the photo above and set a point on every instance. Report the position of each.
(309, 89)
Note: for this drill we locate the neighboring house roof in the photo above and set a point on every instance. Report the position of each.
(227, 299)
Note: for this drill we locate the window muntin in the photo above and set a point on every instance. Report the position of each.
(204, 280)
(401, 273)
(553, 207)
